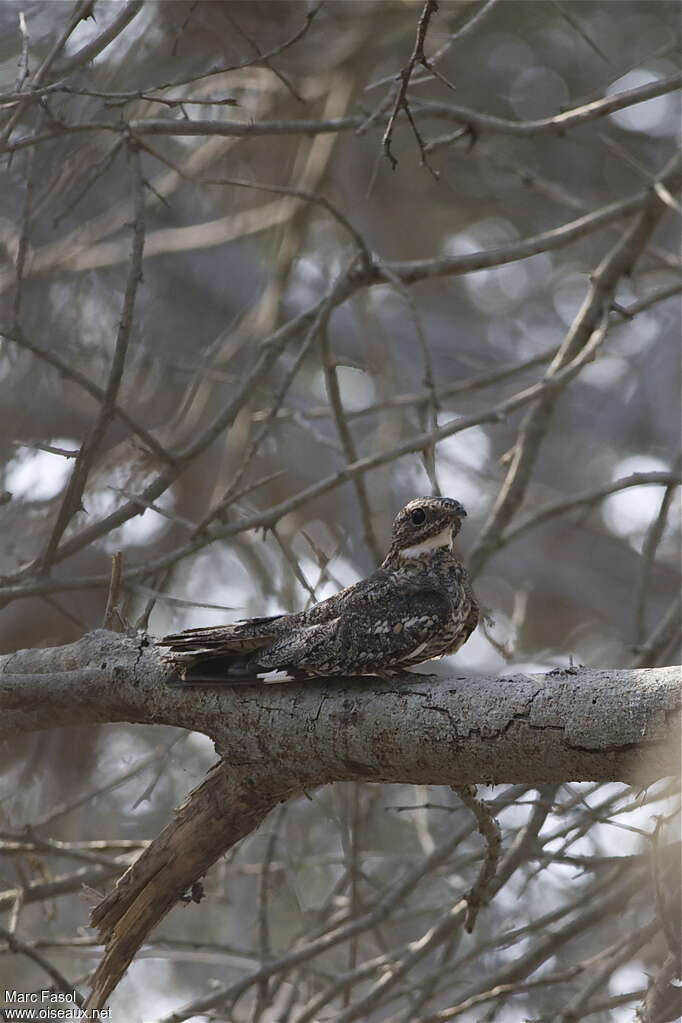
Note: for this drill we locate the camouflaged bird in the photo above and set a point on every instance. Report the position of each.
(418, 605)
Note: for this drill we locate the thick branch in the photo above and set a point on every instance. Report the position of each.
(600, 724)
(228, 805)
(277, 741)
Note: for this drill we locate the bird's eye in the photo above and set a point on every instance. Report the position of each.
(418, 516)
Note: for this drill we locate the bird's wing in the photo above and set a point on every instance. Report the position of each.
(470, 623)
(374, 590)
(246, 636)
(382, 623)
(378, 623)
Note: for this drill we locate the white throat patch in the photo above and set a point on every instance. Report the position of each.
(442, 539)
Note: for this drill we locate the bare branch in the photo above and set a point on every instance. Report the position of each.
(401, 103)
(90, 447)
(589, 497)
(19, 947)
(481, 123)
(665, 634)
(265, 519)
(360, 906)
(559, 123)
(112, 614)
(489, 829)
(594, 310)
(71, 372)
(649, 548)
(95, 46)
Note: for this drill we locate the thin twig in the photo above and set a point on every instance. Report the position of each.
(475, 122)
(69, 372)
(264, 882)
(82, 9)
(587, 498)
(63, 985)
(649, 548)
(464, 31)
(293, 563)
(112, 615)
(265, 519)
(433, 406)
(667, 914)
(488, 827)
(401, 102)
(383, 908)
(90, 447)
(250, 450)
(590, 321)
(294, 193)
(347, 441)
(417, 398)
(23, 69)
(662, 636)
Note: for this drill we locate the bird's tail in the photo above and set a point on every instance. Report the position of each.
(219, 654)
(240, 637)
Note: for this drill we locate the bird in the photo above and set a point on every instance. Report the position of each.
(418, 605)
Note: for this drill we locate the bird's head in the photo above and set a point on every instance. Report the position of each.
(424, 525)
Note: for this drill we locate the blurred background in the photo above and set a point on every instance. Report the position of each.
(244, 386)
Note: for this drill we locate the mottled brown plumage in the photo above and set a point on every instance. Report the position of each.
(418, 605)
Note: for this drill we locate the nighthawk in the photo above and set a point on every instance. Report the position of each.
(418, 605)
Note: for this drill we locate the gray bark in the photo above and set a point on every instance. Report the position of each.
(573, 725)
(279, 740)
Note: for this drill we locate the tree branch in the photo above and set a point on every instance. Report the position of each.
(228, 805)
(578, 724)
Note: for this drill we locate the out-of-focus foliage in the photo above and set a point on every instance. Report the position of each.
(226, 267)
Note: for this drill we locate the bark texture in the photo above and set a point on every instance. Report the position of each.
(574, 724)
(279, 740)
(227, 805)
